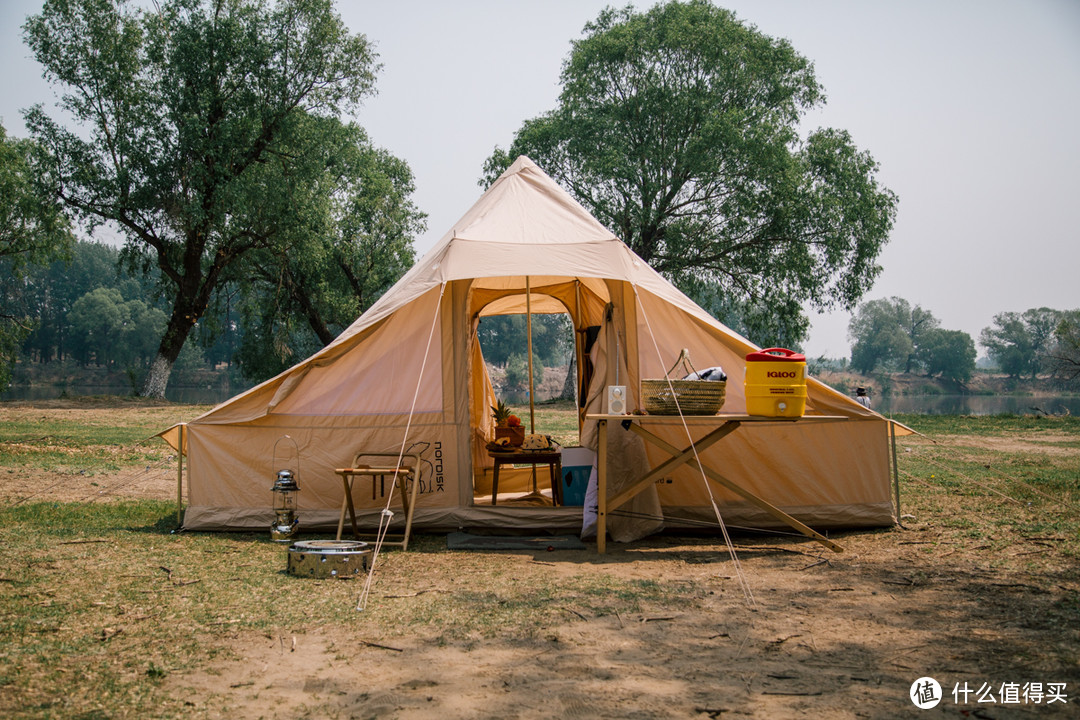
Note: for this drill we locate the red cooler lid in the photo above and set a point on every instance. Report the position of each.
(775, 355)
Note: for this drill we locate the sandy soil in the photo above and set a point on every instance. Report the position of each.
(825, 636)
(842, 636)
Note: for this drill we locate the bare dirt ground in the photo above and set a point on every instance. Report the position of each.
(818, 634)
(841, 637)
(825, 635)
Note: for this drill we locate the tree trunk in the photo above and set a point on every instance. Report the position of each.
(569, 390)
(158, 378)
(314, 317)
(184, 317)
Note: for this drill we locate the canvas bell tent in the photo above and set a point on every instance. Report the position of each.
(409, 375)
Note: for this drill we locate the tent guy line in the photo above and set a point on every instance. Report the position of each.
(387, 514)
(748, 594)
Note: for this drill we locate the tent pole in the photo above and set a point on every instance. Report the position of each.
(579, 404)
(528, 332)
(532, 411)
(896, 473)
(180, 474)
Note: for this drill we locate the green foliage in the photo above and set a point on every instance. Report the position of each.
(504, 335)
(500, 412)
(1020, 343)
(877, 335)
(271, 344)
(517, 371)
(33, 227)
(300, 296)
(1063, 360)
(196, 136)
(949, 354)
(111, 330)
(678, 128)
(771, 321)
(33, 230)
(886, 333)
(96, 318)
(50, 293)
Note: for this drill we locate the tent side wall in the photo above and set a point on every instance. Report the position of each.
(357, 400)
(826, 474)
(456, 320)
(231, 467)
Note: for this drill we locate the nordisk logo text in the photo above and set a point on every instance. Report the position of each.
(781, 374)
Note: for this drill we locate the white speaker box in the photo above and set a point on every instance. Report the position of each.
(616, 399)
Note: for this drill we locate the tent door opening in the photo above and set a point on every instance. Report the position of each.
(499, 373)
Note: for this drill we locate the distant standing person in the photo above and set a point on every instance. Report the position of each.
(862, 398)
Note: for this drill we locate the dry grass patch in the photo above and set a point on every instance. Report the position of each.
(107, 614)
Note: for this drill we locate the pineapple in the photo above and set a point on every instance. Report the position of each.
(500, 413)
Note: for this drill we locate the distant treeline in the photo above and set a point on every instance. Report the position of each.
(87, 310)
(90, 312)
(892, 335)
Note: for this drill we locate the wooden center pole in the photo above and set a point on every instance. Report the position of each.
(528, 332)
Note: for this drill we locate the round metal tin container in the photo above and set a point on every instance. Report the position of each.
(328, 558)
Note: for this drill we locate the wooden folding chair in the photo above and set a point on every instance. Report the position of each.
(406, 476)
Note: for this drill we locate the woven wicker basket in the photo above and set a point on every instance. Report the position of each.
(692, 397)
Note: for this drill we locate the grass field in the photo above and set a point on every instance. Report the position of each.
(105, 613)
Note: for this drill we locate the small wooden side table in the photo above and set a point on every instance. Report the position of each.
(551, 458)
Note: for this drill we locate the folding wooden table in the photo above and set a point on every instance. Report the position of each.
(721, 426)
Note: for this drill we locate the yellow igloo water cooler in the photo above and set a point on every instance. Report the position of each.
(776, 383)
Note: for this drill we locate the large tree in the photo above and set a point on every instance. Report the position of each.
(33, 230)
(1021, 342)
(298, 297)
(1063, 359)
(194, 130)
(949, 354)
(678, 128)
(888, 332)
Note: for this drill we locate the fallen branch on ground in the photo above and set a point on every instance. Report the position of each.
(381, 647)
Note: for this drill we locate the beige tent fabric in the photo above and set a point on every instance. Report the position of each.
(642, 515)
(418, 341)
(481, 400)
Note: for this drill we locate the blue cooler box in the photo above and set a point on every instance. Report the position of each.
(577, 465)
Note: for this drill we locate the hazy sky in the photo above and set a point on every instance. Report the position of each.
(971, 108)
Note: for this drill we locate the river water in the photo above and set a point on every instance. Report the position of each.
(977, 404)
(183, 395)
(917, 404)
